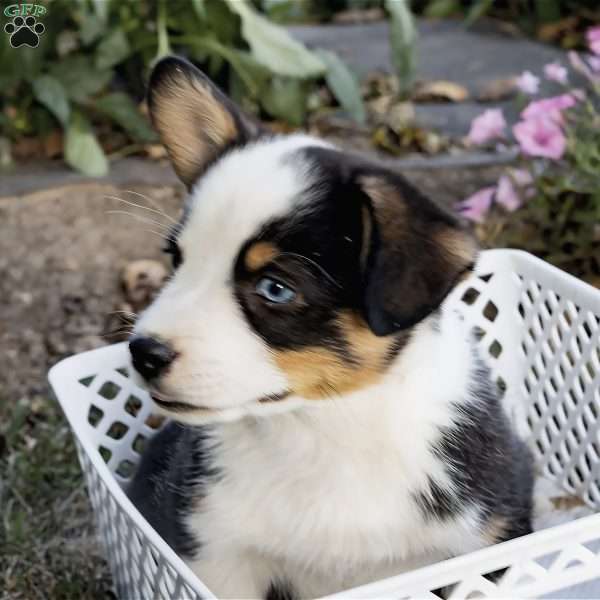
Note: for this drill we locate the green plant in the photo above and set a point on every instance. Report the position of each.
(403, 38)
(86, 77)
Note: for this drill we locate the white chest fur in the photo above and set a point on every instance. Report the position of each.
(325, 496)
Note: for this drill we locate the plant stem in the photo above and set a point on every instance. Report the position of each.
(164, 47)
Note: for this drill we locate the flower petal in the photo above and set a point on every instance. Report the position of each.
(506, 195)
(476, 206)
(521, 177)
(556, 72)
(541, 136)
(487, 126)
(528, 83)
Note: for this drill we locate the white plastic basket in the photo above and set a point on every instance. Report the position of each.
(539, 330)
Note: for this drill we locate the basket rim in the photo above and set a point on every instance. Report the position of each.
(495, 557)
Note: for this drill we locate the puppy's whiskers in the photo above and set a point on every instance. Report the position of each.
(118, 333)
(135, 205)
(154, 203)
(143, 219)
(314, 264)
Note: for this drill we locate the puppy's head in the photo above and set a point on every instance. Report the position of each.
(299, 270)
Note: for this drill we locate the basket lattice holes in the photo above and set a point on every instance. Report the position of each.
(562, 380)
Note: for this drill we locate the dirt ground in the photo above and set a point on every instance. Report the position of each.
(62, 252)
(61, 255)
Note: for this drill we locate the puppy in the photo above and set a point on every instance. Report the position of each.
(332, 422)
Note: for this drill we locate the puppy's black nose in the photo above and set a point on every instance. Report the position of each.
(150, 357)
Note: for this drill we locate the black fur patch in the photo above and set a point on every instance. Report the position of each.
(281, 590)
(436, 502)
(488, 464)
(398, 344)
(172, 473)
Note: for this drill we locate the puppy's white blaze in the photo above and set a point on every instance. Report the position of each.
(222, 364)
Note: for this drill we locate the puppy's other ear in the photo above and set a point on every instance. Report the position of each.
(195, 120)
(415, 253)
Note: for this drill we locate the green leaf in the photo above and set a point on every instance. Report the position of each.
(343, 85)
(101, 8)
(164, 47)
(50, 92)
(273, 47)
(254, 75)
(223, 22)
(82, 150)
(440, 9)
(112, 50)
(200, 9)
(121, 109)
(477, 11)
(79, 78)
(286, 99)
(403, 40)
(91, 28)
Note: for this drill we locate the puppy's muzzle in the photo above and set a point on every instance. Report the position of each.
(150, 357)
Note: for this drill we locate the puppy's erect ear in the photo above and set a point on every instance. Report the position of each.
(195, 120)
(415, 253)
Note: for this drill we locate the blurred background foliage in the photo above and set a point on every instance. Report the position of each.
(82, 87)
(79, 94)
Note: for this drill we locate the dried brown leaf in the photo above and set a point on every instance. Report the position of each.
(53, 144)
(141, 281)
(379, 107)
(551, 32)
(155, 151)
(497, 89)
(400, 116)
(440, 91)
(566, 502)
(354, 16)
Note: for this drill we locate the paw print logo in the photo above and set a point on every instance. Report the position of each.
(24, 32)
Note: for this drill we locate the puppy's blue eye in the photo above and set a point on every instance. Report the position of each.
(274, 291)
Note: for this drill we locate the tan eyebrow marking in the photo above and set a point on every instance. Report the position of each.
(259, 254)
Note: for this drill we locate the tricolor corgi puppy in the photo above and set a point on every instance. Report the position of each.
(332, 423)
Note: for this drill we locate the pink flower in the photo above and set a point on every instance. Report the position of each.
(593, 39)
(475, 207)
(528, 83)
(506, 194)
(556, 72)
(487, 126)
(593, 34)
(541, 136)
(549, 107)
